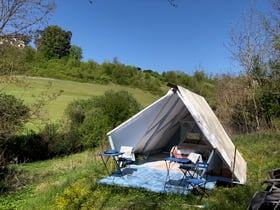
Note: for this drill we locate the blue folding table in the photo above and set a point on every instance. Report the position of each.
(106, 155)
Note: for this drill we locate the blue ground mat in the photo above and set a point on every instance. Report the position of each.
(151, 179)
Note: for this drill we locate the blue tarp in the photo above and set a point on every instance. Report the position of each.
(151, 179)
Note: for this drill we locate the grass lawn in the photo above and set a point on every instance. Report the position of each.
(70, 182)
(32, 89)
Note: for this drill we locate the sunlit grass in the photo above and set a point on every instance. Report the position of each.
(46, 184)
(32, 89)
(64, 181)
(47, 179)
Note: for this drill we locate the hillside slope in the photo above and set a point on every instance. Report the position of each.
(31, 89)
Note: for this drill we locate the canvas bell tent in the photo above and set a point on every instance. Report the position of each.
(182, 121)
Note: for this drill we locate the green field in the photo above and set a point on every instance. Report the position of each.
(32, 89)
(70, 182)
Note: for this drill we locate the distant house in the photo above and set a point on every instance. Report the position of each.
(16, 41)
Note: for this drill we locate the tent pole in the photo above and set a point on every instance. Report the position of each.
(233, 167)
(111, 142)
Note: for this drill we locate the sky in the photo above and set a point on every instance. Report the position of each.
(151, 34)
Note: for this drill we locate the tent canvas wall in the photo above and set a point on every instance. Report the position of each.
(181, 117)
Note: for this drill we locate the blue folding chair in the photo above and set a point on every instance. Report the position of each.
(128, 156)
(198, 181)
(188, 168)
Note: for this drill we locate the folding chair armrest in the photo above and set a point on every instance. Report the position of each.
(203, 165)
(187, 166)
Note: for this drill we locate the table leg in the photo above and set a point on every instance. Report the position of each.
(105, 163)
(167, 179)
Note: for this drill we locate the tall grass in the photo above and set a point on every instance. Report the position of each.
(262, 151)
(70, 183)
(47, 179)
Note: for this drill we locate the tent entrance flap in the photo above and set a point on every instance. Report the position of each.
(163, 126)
(164, 130)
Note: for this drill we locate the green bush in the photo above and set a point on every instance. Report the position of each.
(49, 142)
(73, 196)
(52, 137)
(27, 147)
(91, 119)
(13, 115)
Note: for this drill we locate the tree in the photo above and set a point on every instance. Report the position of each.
(255, 50)
(18, 20)
(76, 52)
(53, 42)
(270, 99)
(14, 59)
(20, 16)
(246, 45)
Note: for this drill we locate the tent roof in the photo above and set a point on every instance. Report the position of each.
(151, 129)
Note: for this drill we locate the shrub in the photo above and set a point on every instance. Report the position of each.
(13, 115)
(91, 119)
(52, 138)
(26, 148)
(73, 196)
